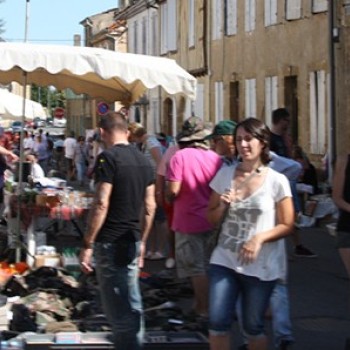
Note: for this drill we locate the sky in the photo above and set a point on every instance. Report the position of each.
(49, 21)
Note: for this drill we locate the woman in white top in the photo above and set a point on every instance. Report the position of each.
(254, 206)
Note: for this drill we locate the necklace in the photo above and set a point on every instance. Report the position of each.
(236, 187)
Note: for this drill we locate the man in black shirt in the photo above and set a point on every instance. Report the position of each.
(124, 185)
(279, 145)
(279, 130)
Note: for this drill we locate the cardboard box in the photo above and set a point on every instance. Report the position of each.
(52, 260)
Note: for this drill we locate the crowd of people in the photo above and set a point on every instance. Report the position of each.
(217, 204)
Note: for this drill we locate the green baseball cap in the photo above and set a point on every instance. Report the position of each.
(224, 127)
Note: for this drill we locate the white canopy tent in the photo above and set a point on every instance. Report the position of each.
(11, 107)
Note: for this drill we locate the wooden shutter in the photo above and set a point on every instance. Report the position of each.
(231, 17)
(293, 9)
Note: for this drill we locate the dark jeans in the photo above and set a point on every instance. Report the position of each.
(120, 294)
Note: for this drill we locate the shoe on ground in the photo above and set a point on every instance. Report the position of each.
(157, 256)
(286, 345)
(148, 255)
(303, 252)
(170, 263)
(243, 347)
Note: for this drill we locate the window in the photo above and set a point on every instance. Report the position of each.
(250, 98)
(219, 101)
(154, 35)
(136, 41)
(318, 112)
(191, 23)
(131, 45)
(230, 17)
(319, 6)
(199, 102)
(168, 28)
(249, 15)
(164, 28)
(144, 36)
(271, 96)
(217, 19)
(172, 25)
(270, 12)
(293, 9)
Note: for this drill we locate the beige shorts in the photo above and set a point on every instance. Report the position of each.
(193, 253)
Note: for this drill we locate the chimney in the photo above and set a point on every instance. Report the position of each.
(77, 40)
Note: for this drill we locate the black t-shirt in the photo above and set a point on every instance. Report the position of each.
(130, 173)
(278, 145)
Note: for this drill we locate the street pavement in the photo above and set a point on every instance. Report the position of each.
(319, 295)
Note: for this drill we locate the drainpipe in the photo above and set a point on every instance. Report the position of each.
(332, 83)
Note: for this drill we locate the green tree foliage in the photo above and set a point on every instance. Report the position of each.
(48, 97)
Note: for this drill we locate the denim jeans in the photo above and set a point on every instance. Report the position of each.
(295, 197)
(225, 286)
(120, 295)
(281, 323)
(81, 169)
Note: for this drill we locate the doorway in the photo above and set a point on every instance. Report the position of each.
(291, 103)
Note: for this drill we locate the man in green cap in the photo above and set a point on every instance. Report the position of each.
(222, 140)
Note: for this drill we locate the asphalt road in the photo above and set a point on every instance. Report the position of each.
(319, 295)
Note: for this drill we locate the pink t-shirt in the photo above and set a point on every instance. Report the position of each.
(194, 168)
(164, 163)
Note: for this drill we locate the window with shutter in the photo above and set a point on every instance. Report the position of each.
(270, 12)
(164, 28)
(144, 36)
(131, 45)
(318, 112)
(191, 23)
(249, 15)
(230, 17)
(271, 95)
(172, 25)
(250, 98)
(319, 6)
(293, 9)
(217, 12)
(199, 103)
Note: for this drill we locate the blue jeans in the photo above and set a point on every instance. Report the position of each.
(281, 323)
(295, 197)
(120, 295)
(81, 169)
(225, 286)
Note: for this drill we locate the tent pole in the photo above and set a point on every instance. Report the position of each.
(21, 149)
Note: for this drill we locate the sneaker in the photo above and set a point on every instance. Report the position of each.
(243, 347)
(148, 255)
(303, 252)
(157, 256)
(286, 345)
(170, 263)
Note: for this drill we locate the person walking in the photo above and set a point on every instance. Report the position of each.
(190, 171)
(222, 139)
(254, 205)
(69, 145)
(280, 144)
(124, 181)
(81, 160)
